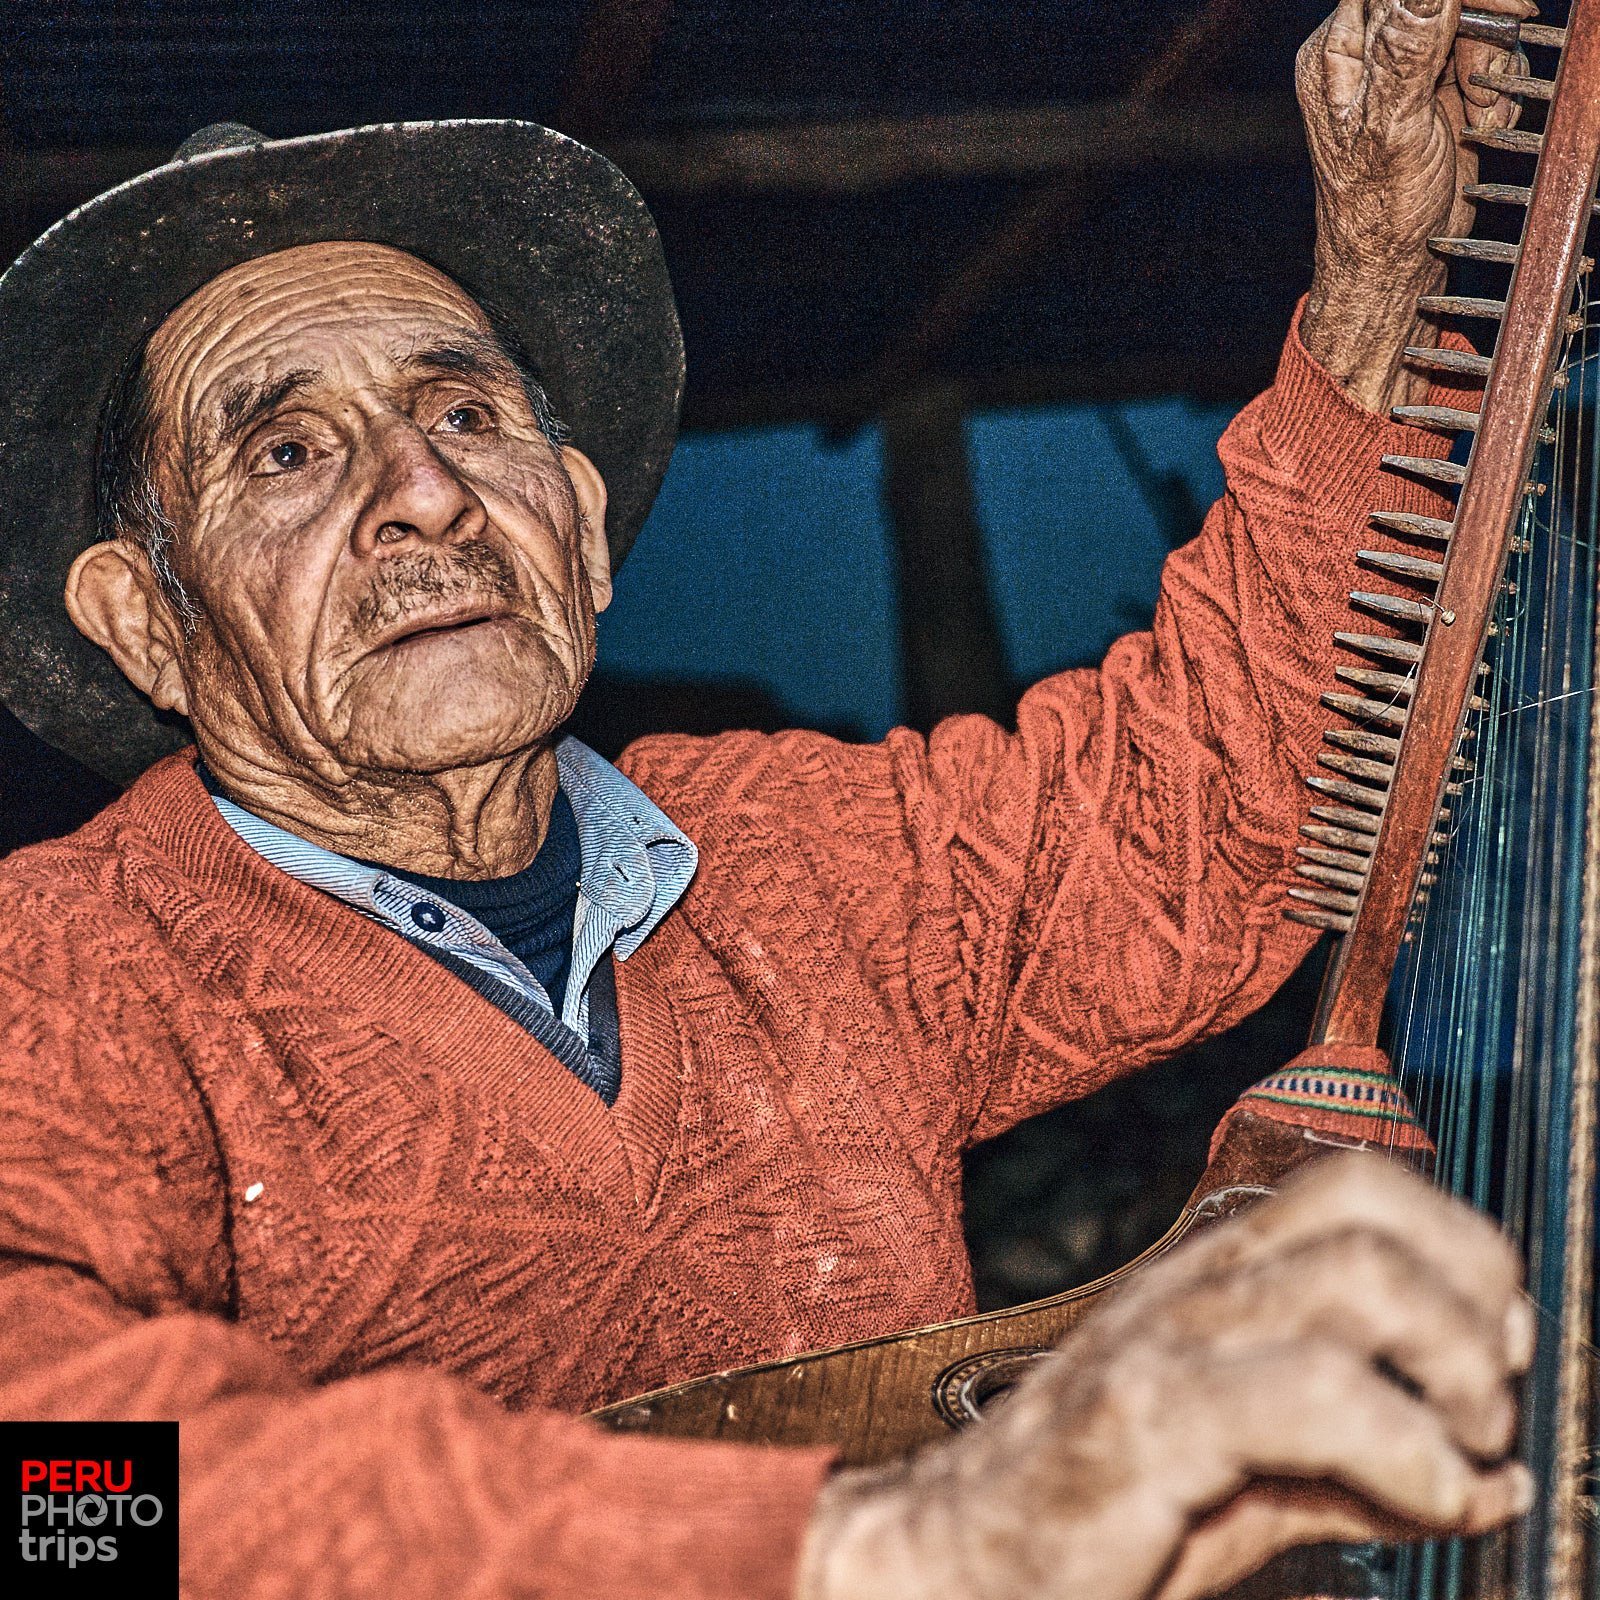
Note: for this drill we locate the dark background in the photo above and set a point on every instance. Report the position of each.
(968, 290)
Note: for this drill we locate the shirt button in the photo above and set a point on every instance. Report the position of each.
(427, 916)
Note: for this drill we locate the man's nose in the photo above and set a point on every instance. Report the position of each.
(416, 494)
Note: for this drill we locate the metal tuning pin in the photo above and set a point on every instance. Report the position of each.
(1514, 83)
(1343, 817)
(1466, 363)
(1505, 194)
(1388, 605)
(1360, 709)
(1385, 746)
(1377, 644)
(1512, 139)
(1496, 252)
(1330, 921)
(1370, 678)
(1344, 840)
(1495, 28)
(1462, 305)
(1444, 419)
(1352, 793)
(1413, 524)
(1405, 566)
(1424, 467)
(1362, 767)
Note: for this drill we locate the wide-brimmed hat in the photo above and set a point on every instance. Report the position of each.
(546, 232)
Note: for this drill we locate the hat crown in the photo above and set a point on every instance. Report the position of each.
(218, 136)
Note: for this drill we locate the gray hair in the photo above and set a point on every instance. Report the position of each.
(127, 500)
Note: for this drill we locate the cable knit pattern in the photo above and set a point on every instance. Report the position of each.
(268, 1169)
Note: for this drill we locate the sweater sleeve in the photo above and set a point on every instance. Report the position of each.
(1115, 870)
(114, 1304)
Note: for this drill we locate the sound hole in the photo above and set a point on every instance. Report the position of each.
(964, 1391)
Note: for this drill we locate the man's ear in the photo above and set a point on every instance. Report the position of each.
(590, 488)
(113, 599)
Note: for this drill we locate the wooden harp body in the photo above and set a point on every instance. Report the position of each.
(1453, 850)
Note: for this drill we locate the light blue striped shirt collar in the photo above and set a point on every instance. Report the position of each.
(636, 864)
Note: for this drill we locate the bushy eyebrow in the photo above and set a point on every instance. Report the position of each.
(467, 354)
(245, 403)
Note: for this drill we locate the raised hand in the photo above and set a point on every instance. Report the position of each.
(1336, 1365)
(1385, 90)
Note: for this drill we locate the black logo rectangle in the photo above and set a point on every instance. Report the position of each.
(88, 1509)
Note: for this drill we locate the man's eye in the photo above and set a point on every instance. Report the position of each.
(285, 457)
(466, 419)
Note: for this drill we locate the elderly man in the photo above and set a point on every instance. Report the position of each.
(387, 1078)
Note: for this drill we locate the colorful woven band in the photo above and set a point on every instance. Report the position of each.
(1362, 1094)
(1344, 1100)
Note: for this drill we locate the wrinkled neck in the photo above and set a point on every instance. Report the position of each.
(483, 821)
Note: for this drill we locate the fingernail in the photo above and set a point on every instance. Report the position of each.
(1522, 1334)
(1521, 1488)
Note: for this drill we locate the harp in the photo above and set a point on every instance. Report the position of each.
(1452, 847)
(1456, 848)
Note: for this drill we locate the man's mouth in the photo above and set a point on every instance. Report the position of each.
(458, 620)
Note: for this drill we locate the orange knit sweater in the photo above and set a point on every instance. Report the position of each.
(268, 1169)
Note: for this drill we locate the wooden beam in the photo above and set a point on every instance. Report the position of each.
(881, 152)
(850, 157)
(952, 656)
(611, 64)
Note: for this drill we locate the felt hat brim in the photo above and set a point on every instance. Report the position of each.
(541, 228)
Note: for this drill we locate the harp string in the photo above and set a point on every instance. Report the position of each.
(1483, 1003)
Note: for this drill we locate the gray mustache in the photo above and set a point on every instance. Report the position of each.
(410, 583)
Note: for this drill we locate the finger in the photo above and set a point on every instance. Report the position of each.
(1342, 50)
(1383, 1303)
(1312, 1410)
(1263, 1522)
(1350, 1192)
(1266, 1520)
(1487, 107)
(1408, 48)
(1475, 59)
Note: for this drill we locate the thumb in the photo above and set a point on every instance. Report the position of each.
(1408, 48)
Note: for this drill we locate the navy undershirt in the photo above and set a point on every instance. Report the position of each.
(532, 911)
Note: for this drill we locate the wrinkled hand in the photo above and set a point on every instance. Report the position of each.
(1385, 90)
(1335, 1365)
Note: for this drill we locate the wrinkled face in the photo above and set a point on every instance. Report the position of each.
(384, 548)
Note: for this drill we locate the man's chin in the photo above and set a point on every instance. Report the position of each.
(465, 726)
(443, 703)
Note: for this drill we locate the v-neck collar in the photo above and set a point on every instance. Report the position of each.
(367, 970)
